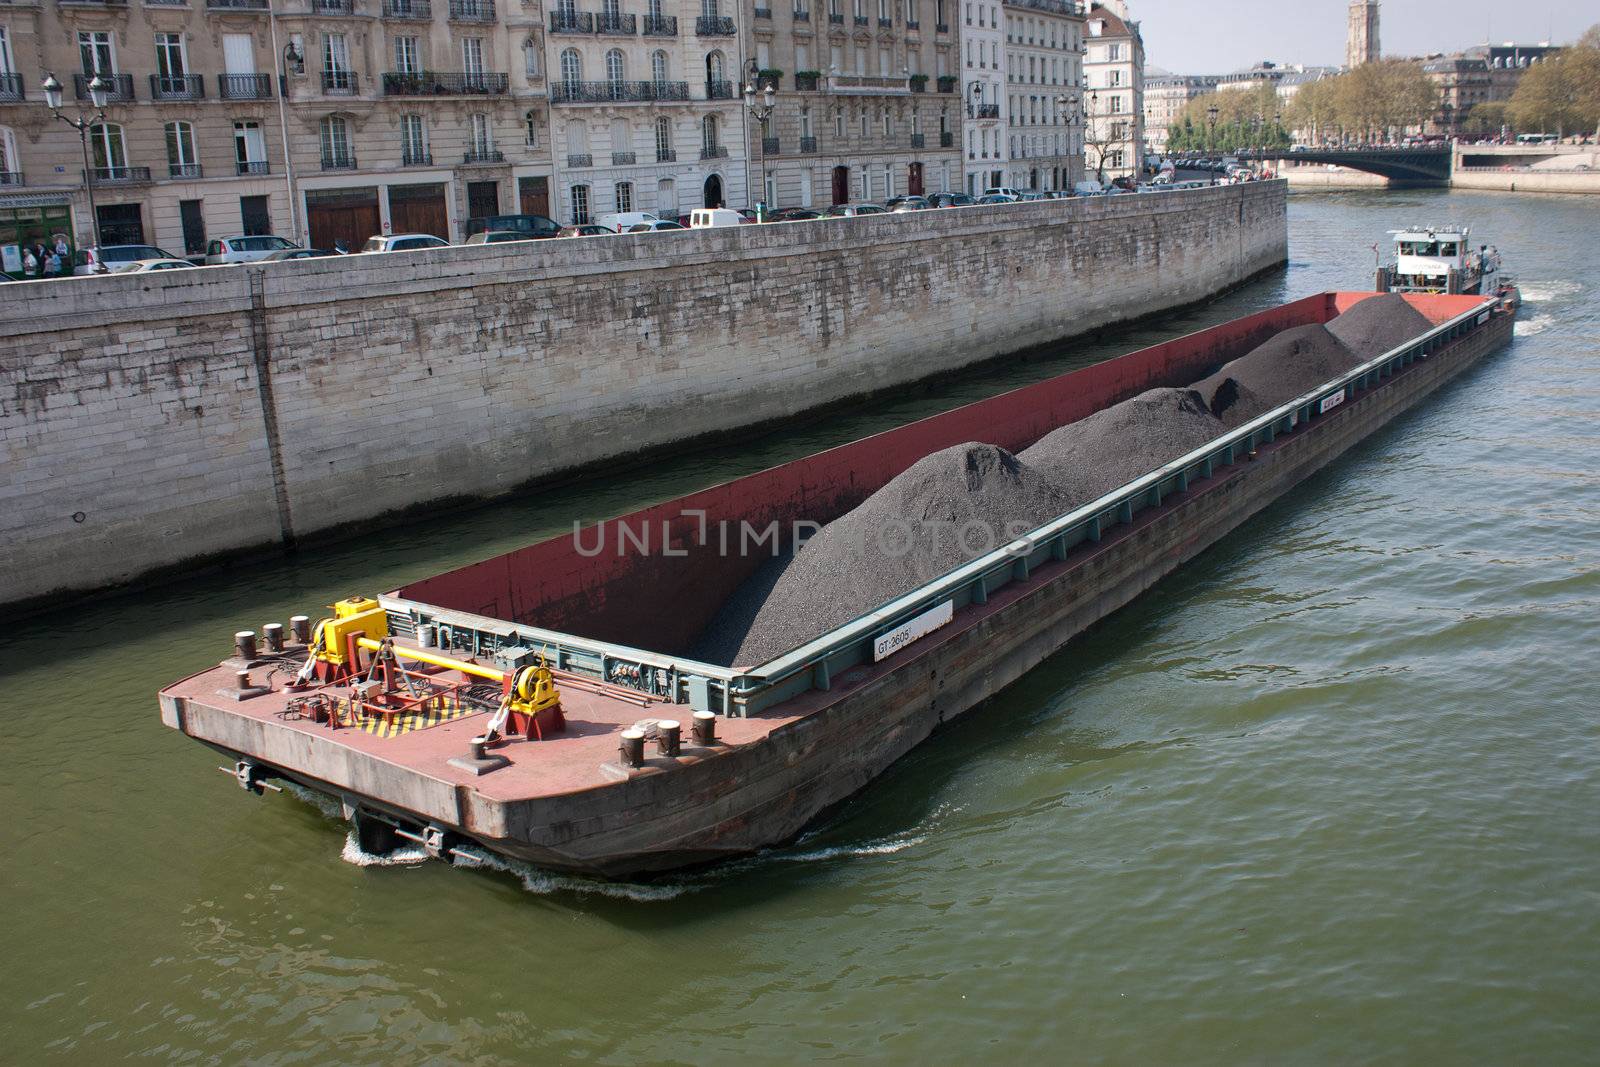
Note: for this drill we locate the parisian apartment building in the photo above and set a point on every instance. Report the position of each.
(1114, 75)
(864, 102)
(328, 121)
(1044, 93)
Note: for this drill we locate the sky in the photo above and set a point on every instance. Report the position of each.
(1216, 37)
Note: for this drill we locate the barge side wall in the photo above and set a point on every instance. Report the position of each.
(148, 420)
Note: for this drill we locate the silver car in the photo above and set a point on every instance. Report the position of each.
(244, 249)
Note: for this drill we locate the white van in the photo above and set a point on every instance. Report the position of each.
(1002, 190)
(1088, 188)
(702, 217)
(619, 221)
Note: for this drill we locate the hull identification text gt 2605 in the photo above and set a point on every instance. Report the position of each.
(912, 630)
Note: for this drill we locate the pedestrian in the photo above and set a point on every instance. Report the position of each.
(30, 263)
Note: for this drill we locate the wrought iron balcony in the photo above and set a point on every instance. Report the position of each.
(861, 20)
(661, 25)
(441, 83)
(345, 160)
(121, 91)
(919, 140)
(471, 10)
(616, 25)
(415, 156)
(483, 155)
(771, 146)
(579, 159)
(11, 87)
(714, 151)
(713, 26)
(988, 111)
(408, 10)
(666, 155)
(835, 18)
(332, 7)
(244, 86)
(802, 14)
(184, 170)
(121, 175)
(869, 83)
(181, 87)
(806, 82)
(763, 12)
(886, 24)
(238, 5)
(252, 166)
(941, 27)
(623, 159)
(12, 177)
(719, 90)
(947, 139)
(571, 22)
(95, 3)
(569, 92)
(808, 146)
(913, 24)
(341, 82)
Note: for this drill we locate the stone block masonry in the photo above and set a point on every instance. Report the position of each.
(150, 420)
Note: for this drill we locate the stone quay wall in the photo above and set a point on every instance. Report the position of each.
(151, 421)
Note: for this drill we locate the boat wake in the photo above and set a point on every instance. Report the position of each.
(1533, 324)
(1544, 292)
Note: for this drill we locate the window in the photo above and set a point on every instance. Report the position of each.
(621, 136)
(413, 139)
(861, 121)
(616, 69)
(9, 161)
(181, 158)
(95, 52)
(805, 123)
(405, 56)
(888, 125)
(472, 55)
(110, 155)
(663, 140)
(1114, 52)
(838, 125)
(249, 147)
(580, 204)
(7, 64)
(805, 188)
(335, 140)
(716, 67)
(530, 58)
(659, 69)
(170, 61)
(336, 62)
(708, 134)
(530, 125)
(624, 196)
(482, 135)
(571, 68)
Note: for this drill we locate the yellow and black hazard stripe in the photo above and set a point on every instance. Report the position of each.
(405, 722)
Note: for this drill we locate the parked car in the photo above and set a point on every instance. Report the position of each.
(141, 265)
(586, 229)
(115, 258)
(997, 198)
(535, 226)
(496, 237)
(840, 211)
(1030, 195)
(619, 221)
(707, 217)
(908, 203)
(652, 226)
(793, 214)
(298, 253)
(403, 242)
(1000, 190)
(245, 249)
(951, 200)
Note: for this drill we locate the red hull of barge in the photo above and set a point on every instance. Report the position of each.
(565, 802)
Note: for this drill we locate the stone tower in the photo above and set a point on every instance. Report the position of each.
(1361, 42)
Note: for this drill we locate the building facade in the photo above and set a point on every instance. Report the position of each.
(1482, 74)
(644, 106)
(984, 95)
(1361, 34)
(325, 121)
(1113, 69)
(1165, 97)
(864, 104)
(1044, 93)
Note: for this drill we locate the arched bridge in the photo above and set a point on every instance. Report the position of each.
(1418, 166)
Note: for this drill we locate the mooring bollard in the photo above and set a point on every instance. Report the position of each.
(272, 633)
(244, 644)
(667, 740)
(300, 629)
(633, 747)
(705, 727)
(241, 680)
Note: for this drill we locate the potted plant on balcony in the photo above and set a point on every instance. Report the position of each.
(806, 80)
(919, 83)
(947, 83)
(769, 77)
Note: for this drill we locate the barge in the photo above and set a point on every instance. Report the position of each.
(541, 704)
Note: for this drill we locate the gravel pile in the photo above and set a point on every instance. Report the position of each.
(947, 508)
(1287, 365)
(1378, 324)
(1114, 446)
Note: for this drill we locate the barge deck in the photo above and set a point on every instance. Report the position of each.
(798, 734)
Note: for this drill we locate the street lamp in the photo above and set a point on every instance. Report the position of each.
(762, 112)
(1211, 137)
(99, 89)
(1063, 104)
(292, 58)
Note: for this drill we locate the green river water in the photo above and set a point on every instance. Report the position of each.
(1330, 795)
